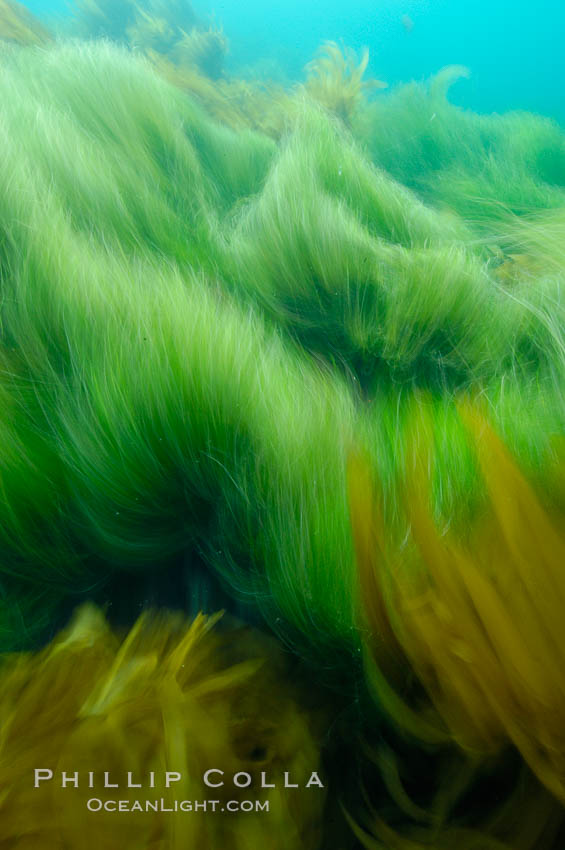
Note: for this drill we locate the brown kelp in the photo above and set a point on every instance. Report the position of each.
(463, 641)
(335, 79)
(169, 29)
(157, 24)
(158, 707)
(235, 103)
(203, 49)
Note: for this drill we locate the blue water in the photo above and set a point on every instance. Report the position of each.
(515, 50)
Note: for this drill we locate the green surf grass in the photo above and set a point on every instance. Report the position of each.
(484, 167)
(198, 325)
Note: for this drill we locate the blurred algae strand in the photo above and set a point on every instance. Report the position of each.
(186, 697)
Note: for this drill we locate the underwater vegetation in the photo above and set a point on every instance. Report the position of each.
(153, 23)
(304, 361)
(335, 79)
(238, 104)
(199, 698)
(190, 54)
(18, 25)
(485, 167)
(169, 29)
(202, 49)
(479, 628)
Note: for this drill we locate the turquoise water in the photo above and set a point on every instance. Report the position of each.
(513, 49)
